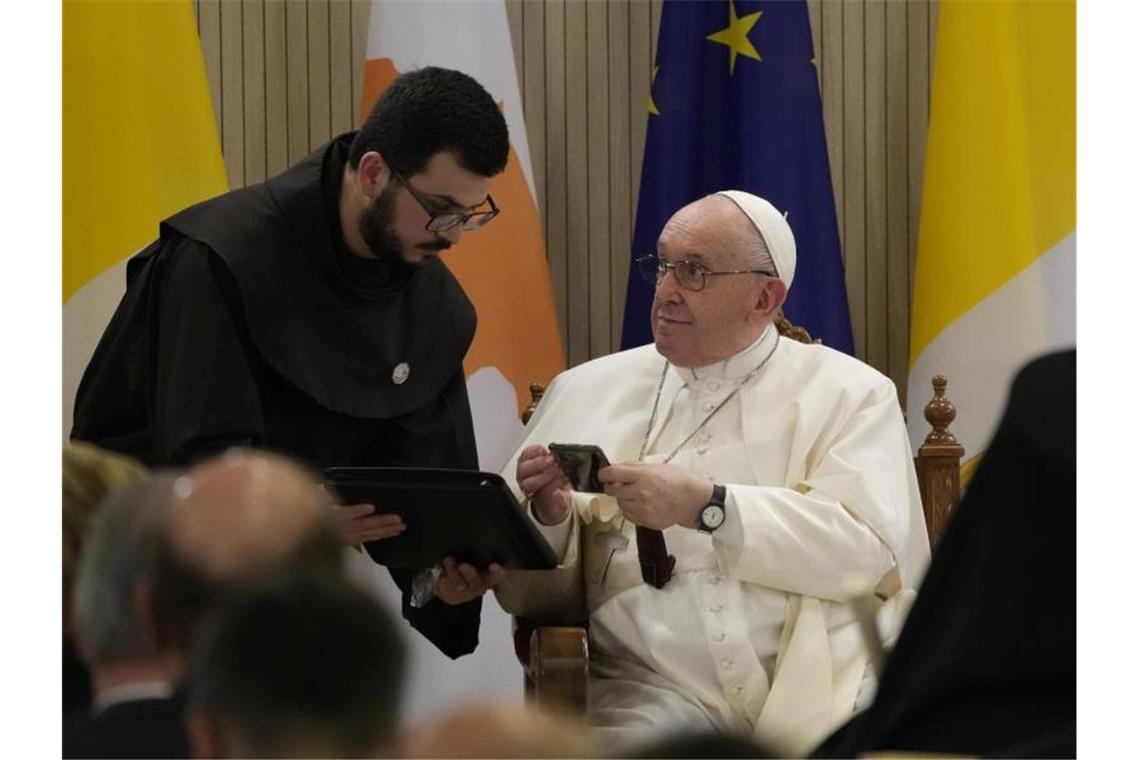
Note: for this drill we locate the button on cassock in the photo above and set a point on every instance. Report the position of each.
(400, 373)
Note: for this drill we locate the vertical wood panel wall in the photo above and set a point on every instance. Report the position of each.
(285, 76)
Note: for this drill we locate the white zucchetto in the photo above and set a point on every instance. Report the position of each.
(773, 227)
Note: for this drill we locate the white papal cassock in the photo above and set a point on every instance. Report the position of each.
(752, 634)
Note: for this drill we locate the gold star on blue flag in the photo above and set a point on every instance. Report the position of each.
(735, 35)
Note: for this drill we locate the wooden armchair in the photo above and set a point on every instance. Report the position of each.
(555, 659)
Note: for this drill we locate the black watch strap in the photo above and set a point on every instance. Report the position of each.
(712, 514)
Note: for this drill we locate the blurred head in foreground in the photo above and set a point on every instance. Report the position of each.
(114, 622)
(501, 731)
(233, 520)
(89, 475)
(301, 664)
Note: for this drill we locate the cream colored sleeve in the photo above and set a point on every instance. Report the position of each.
(549, 596)
(842, 518)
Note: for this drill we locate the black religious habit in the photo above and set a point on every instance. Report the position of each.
(249, 322)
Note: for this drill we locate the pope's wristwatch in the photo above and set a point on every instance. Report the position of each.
(712, 514)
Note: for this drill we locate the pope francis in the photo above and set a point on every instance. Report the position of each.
(775, 472)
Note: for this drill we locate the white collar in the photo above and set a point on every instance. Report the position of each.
(734, 367)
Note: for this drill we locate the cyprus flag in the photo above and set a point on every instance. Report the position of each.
(503, 269)
(502, 266)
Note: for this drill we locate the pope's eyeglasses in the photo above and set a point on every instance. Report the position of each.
(689, 274)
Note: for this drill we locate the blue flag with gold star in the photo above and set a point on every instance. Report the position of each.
(735, 105)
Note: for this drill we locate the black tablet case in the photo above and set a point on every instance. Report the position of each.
(472, 516)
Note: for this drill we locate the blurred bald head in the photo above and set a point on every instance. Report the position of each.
(234, 519)
(501, 730)
(241, 512)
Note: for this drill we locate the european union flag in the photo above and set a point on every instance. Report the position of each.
(735, 105)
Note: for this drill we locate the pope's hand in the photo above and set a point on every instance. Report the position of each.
(657, 495)
(543, 482)
(358, 524)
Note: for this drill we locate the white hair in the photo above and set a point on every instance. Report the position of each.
(118, 555)
(757, 250)
(751, 242)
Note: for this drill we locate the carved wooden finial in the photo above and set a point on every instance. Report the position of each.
(536, 391)
(940, 413)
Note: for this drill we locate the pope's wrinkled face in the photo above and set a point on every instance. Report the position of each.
(697, 328)
(393, 225)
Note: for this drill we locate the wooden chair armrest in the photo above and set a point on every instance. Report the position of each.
(558, 669)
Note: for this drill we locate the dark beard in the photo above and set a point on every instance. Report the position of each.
(376, 228)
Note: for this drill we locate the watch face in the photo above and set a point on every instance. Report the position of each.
(712, 516)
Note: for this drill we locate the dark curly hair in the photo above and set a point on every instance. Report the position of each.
(430, 110)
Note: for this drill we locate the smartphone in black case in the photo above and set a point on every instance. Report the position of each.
(581, 462)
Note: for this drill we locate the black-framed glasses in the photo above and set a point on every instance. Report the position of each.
(690, 275)
(442, 221)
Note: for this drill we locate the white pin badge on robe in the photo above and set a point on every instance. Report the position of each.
(400, 373)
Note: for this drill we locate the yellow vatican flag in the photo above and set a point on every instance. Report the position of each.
(139, 144)
(995, 283)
